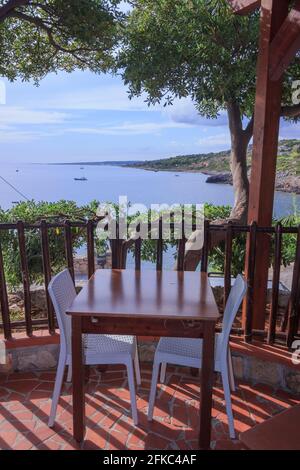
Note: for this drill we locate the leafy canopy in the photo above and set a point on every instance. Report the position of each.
(50, 35)
(195, 48)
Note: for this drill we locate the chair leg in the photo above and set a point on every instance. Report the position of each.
(226, 388)
(57, 389)
(153, 389)
(231, 373)
(69, 376)
(131, 384)
(163, 371)
(137, 367)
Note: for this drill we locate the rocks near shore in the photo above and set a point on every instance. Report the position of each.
(284, 182)
(220, 178)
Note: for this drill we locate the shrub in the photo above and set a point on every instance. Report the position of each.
(32, 212)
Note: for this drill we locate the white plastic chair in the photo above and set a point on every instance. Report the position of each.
(98, 349)
(188, 352)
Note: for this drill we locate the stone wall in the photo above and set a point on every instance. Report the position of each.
(249, 368)
(254, 370)
(81, 263)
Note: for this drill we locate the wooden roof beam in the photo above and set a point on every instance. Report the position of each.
(286, 43)
(244, 7)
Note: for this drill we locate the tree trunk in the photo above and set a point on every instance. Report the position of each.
(239, 145)
(240, 139)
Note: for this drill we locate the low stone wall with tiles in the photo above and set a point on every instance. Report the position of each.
(254, 370)
(250, 368)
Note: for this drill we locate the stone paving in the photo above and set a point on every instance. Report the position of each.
(25, 401)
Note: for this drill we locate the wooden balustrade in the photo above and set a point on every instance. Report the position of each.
(289, 324)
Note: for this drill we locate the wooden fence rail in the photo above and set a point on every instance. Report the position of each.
(288, 328)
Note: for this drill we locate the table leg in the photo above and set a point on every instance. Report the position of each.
(78, 380)
(207, 378)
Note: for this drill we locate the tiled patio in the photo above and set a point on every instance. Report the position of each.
(26, 399)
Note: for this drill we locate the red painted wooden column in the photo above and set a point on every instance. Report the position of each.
(265, 146)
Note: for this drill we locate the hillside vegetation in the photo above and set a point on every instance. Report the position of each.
(288, 162)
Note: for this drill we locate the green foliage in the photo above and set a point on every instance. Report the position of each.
(288, 161)
(289, 240)
(196, 48)
(42, 37)
(31, 212)
(217, 255)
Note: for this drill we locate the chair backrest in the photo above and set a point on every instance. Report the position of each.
(62, 292)
(233, 304)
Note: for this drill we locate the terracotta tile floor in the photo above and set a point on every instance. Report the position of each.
(25, 401)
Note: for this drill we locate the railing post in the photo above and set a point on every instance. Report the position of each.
(4, 299)
(69, 249)
(228, 260)
(250, 280)
(90, 248)
(205, 249)
(181, 245)
(275, 284)
(137, 253)
(25, 277)
(47, 274)
(159, 250)
(116, 249)
(293, 314)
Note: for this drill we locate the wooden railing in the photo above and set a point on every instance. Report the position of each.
(283, 331)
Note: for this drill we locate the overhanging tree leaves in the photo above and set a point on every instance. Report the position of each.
(38, 37)
(199, 48)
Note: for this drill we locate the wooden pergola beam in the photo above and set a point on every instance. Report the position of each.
(244, 7)
(286, 43)
(265, 144)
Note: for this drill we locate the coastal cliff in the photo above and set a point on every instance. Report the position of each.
(217, 166)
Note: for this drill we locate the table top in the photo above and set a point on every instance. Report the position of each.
(147, 294)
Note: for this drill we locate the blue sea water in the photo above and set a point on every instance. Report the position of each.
(107, 183)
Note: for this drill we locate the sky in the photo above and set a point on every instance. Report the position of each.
(87, 117)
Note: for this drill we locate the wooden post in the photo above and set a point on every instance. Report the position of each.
(265, 145)
(25, 277)
(47, 274)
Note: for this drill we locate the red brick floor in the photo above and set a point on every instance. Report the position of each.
(25, 401)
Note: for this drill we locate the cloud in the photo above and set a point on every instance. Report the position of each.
(184, 111)
(129, 128)
(213, 141)
(13, 115)
(12, 135)
(103, 98)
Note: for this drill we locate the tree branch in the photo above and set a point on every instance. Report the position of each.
(291, 111)
(10, 6)
(40, 24)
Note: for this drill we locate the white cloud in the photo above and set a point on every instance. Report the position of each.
(129, 128)
(13, 115)
(184, 110)
(2, 92)
(16, 136)
(213, 141)
(102, 98)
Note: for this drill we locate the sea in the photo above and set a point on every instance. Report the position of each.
(107, 183)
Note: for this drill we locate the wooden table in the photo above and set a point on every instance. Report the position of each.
(146, 303)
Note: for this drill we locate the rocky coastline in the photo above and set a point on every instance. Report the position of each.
(284, 182)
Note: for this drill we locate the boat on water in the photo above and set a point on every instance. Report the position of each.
(81, 179)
